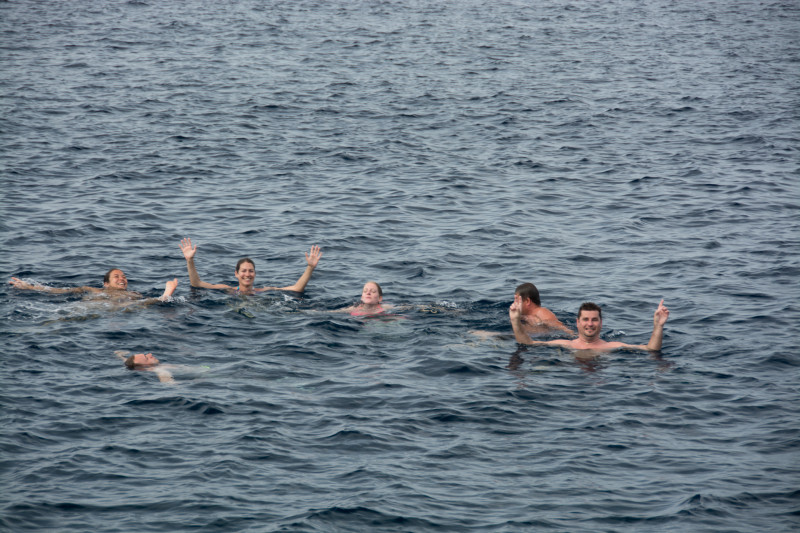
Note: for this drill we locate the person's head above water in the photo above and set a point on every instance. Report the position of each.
(115, 279)
(141, 360)
(589, 321)
(245, 272)
(590, 306)
(372, 294)
(528, 291)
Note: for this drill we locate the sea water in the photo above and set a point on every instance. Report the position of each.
(619, 152)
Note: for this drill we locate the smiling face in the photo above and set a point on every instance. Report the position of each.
(371, 295)
(116, 280)
(246, 274)
(589, 324)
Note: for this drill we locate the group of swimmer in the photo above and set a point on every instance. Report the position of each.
(527, 315)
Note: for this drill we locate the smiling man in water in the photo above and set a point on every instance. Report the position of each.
(589, 325)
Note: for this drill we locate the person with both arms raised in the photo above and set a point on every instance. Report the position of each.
(246, 272)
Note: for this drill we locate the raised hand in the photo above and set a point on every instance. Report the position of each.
(515, 311)
(313, 257)
(187, 248)
(661, 315)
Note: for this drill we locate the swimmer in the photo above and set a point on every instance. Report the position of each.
(534, 318)
(589, 325)
(115, 285)
(371, 302)
(148, 362)
(246, 272)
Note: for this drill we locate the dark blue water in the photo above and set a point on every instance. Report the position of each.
(618, 152)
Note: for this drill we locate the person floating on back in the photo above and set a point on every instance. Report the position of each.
(115, 285)
(589, 325)
(246, 272)
(148, 362)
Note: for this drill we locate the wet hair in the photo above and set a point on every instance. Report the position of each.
(589, 306)
(129, 361)
(245, 260)
(107, 277)
(380, 291)
(529, 291)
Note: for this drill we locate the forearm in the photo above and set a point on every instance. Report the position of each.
(303, 281)
(194, 278)
(656, 338)
(519, 332)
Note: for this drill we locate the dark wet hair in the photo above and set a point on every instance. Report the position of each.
(529, 291)
(380, 291)
(129, 362)
(245, 260)
(107, 277)
(589, 306)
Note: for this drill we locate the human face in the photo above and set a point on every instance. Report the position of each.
(145, 359)
(246, 275)
(370, 294)
(589, 324)
(117, 281)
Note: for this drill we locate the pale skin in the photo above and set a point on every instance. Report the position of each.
(371, 302)
(589, 325)
(117, 286)
(148, 362)
(246, 274)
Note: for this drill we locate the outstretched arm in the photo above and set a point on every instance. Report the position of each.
(19, 284)
(194, 279)
(312, 258)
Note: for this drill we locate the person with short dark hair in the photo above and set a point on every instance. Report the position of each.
(590, 324)
(535, 318)
(148, 362)
(115, 284)
(245, 272)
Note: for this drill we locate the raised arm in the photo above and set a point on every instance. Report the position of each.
(169, 288)
(515, 315)
(19, 284)
(312, 258)
(659, 319)
(194, 279)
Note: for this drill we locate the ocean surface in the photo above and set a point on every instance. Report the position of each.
(618, 152)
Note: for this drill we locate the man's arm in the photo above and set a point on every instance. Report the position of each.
(164, 375)
(19, 284)
(194, 279)
(312, 259)
(659, 319)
